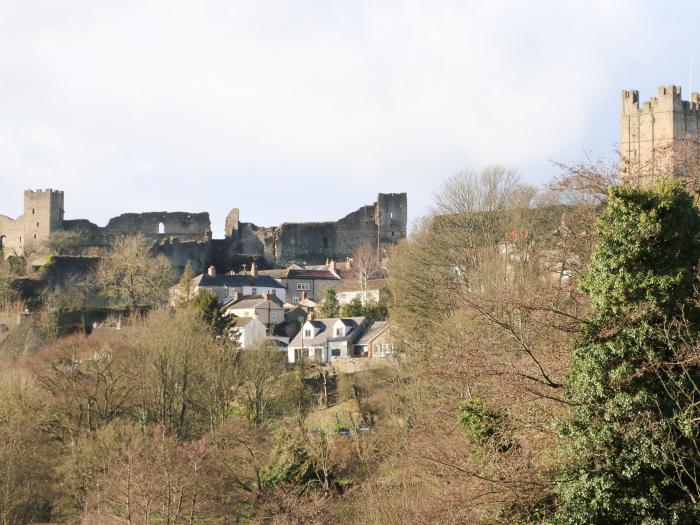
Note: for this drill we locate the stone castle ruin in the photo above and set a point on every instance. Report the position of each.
(656, 135)
(184, 237)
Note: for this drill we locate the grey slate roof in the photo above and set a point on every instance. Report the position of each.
(251, 301)
(372, 332)
(325, 333)
(236, 281)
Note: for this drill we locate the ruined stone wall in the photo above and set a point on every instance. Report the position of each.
(184, 237)
(648, 133)
(307, 242)
(254, 240)
(180, 236)
(182, 224)
(197, 253)
(385, 221)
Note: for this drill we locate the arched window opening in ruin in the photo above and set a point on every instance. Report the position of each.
(161, 228)
(33, 210)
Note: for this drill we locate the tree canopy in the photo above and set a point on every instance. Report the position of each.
(631, 441)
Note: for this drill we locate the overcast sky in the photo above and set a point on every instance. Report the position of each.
(305, 110)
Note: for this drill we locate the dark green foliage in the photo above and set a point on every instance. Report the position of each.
(354, 308)
(372, 310)
(485, 425)
(630, 442)
(330, 306)
(209, 309)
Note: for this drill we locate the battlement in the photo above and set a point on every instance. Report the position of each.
(630, 101)
(669, 98)
(43, 192)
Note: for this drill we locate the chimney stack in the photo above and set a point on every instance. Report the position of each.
(254, 269)
(211, 271)
(331, 266)
(237, 296)
(303, 295)
(266, 296)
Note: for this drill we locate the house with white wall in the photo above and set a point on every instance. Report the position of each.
(324, 340)
(249, 331)
(267, 308)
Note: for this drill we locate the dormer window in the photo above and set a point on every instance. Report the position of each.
(307, 332)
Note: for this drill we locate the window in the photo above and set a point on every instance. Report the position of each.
(303, 287)
(254, 291)
(161, 228)
(307, 332)
(295, 299)
(338, 331)
(37, 224)
(33, 211)
(273, 317)
(335, 352)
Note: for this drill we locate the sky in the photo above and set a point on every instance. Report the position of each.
(305, 110)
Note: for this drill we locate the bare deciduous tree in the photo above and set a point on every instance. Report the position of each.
(132, 275)
(366, 265)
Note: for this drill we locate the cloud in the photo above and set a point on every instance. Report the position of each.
(294, 110)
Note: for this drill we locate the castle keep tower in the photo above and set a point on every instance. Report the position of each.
(650, 134)
(391, 217)
(43, 215)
